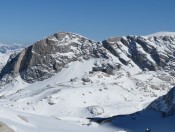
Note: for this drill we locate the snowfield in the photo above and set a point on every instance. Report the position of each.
(59, 100)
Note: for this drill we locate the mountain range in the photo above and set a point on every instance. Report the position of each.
(79, 84)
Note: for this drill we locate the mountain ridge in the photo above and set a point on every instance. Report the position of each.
(146, 53)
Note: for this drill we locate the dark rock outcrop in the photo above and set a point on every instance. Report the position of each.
(107, 68)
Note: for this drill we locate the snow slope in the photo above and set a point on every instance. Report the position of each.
(104, 96)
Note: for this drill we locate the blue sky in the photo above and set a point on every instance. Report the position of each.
(26, 21)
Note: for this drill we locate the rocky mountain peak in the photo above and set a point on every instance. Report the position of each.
(48, 56)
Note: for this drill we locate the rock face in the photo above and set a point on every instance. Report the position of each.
(165, 104)
(150, 53)
(48, 56)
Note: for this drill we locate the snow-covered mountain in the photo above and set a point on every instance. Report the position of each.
(71, 78)
(50, 55)
(4, 48)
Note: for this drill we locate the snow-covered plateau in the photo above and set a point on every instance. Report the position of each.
(69, 83)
